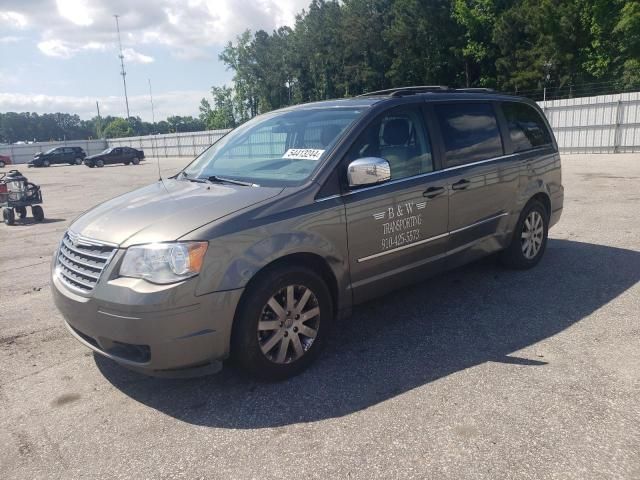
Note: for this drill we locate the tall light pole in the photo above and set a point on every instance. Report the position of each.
(122, 72)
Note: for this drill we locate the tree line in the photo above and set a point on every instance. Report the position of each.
(33, 127)
(340, 49)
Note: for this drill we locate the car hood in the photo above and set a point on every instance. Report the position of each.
(165, 211)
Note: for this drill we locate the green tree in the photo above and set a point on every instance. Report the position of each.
(118, 128)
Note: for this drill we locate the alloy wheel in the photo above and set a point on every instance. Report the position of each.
(288, 324)
(532, 234)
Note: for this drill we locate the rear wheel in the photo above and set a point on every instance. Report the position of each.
(135, 161)
(37, 213)
(99, 163)
(8, 216)
(78, 161)
(282, 323)
(529, 239)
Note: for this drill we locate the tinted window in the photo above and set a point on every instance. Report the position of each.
(526, 128)
(399, 136)
(469, 131)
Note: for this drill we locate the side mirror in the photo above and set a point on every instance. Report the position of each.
(368, 171)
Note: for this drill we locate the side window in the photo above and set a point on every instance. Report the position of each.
(526, 128)
(400, 137)
(469, 132)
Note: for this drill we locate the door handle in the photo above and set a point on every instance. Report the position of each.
(433, 192)
(460, 185)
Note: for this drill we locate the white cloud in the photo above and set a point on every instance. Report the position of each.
(165, 104)
(13, 19)
(76, 11)
(130, 55)
(189, 28)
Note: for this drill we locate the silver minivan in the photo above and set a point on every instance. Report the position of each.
(271, 236)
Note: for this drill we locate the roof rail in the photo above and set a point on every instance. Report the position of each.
(398, 92)
(401, 91)
(475, 90)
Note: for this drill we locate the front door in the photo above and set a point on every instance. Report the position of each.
(396, 230)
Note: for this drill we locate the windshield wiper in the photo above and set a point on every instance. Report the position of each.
(217, 179)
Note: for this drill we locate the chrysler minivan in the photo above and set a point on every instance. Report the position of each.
(273, 234)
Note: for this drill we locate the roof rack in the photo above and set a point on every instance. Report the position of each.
(401, 91)
(397, 92)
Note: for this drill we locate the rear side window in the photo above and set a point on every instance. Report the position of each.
(469, 132)
(526, 128)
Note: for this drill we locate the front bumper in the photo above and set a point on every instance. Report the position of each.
(157, 329)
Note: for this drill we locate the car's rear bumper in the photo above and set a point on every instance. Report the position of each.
(160, 330)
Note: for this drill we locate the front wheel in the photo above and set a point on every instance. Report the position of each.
(529, 239)
(282, 323)
(8, 216)
(38, 213)
(46, 163)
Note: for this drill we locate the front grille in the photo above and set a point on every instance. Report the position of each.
(81, 261)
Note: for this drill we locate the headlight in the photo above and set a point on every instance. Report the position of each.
(164, 262)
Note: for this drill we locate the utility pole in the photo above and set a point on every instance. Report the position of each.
(153, 115)
(99, 126)
(122, 72)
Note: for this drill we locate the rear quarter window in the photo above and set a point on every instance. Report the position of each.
(527, 129)
(469, 132)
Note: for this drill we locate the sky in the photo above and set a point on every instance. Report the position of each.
(62, 55)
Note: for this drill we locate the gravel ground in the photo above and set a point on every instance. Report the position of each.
(480, 373)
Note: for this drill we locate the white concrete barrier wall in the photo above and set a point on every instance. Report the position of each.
(602, 124)
(172, 144)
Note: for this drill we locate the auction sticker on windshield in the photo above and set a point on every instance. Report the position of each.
(303, 154)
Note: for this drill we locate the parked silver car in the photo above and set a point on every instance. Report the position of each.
(275, 232)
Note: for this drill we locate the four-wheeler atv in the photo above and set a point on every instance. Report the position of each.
(16, 194)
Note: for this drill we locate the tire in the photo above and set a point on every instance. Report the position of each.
(529, 240)
(46, 163)
(135, 161)
(99, 163)
(78, 161)
(38, 213)
(2, 164)
(21, 211)
(271, 353)
(8, 216)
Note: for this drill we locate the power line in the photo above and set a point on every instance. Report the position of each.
(122, 72)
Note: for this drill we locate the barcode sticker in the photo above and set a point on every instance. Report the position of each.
(303, 154)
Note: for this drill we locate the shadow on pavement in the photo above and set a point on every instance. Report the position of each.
(407, 339)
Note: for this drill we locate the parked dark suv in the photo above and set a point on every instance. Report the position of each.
(70, 155)
(113, 155)
(282, 226)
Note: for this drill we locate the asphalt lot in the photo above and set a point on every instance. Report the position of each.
(480, 373)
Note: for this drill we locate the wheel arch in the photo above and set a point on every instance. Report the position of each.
(311, 261)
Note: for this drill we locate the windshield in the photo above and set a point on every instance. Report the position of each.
(51, 150)
(108, 150)
(275, 149)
